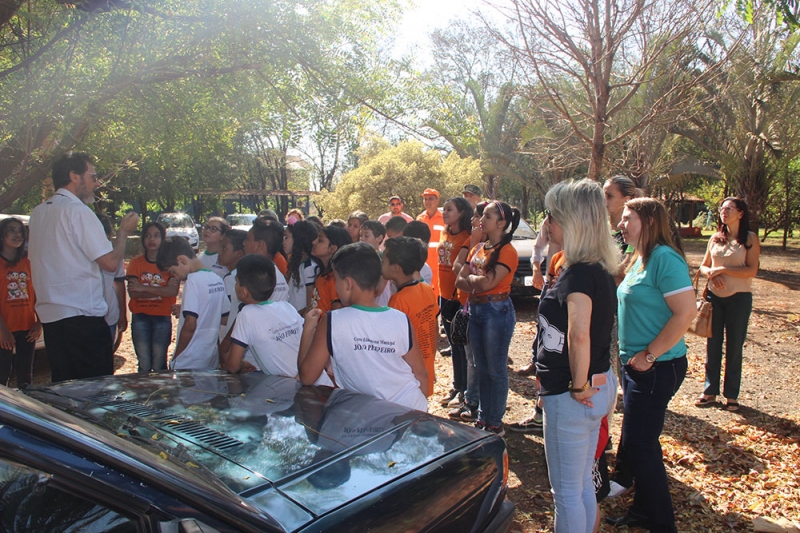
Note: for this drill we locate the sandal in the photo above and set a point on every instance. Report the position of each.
(705, 401)
(732, 406)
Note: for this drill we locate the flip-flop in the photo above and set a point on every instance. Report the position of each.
(732, 405)
(705, 401)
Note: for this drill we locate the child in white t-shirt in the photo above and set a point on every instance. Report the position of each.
(270, 330)
(212, 232)
(372, 349)
(205, 306)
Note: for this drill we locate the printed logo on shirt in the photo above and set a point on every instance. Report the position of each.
(552, 339)
(284, 332)
(477, 265)
(369, 345)
(17, 285)
(217, 287)
(445, 250)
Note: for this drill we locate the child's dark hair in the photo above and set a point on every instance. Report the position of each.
(408, 252)
(105, 220)
(169, 251)
(377, 229)
(236, 237)
(419, 230)
(223, 224)
(510, 215)
(338, 237)
(360, 262)
(360, 215)
(256, 273)
(303, 235)
(158, 225)
(465, 211)
(4, 228)
(338, 222)
(269, 231)
(396, 224)
(316, 220)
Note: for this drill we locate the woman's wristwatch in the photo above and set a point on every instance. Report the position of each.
(580, 390)
(649, 357)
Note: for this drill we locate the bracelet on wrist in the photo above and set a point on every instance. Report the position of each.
(579, 390)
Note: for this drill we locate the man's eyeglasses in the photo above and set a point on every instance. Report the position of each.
(94, 176)
(395, 204)
(212, 229)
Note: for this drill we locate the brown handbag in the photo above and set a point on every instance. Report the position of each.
(701, 325)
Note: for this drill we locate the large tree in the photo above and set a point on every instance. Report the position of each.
(592, 58)
(65, 69)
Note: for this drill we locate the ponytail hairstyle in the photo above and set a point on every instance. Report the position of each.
(465, 211)
(626, 186)
(510, 215)
(721, 236)
(303, 235)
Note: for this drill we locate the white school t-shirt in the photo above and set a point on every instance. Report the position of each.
(271, 331)
(308, 271)
(281, 292)
(211, 262)
(203, 297)
(110, 293)
(367, 345)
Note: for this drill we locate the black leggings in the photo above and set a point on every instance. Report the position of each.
(21, 361)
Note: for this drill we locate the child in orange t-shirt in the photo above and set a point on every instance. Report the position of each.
(403, 257)
(328, 241)
(19, 326)
(152, 294)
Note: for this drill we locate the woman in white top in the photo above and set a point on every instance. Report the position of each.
(730, 264)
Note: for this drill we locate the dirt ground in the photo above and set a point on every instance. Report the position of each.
(725, 468)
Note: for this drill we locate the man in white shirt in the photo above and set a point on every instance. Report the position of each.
(395, 210)
(68, 249)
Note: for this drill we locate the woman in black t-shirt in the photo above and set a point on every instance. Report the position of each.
(577, 385)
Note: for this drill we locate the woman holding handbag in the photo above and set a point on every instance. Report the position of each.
(730, 264)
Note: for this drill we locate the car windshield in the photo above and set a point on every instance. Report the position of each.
(241, 220)
(176, 221)
(258, 433)
(524, 231)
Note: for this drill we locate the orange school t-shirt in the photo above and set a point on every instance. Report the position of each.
(436, 226)
(478, 258)
(149, 275)
(449, 247)
(325, 293)
(18, 298)
(280, 262)
(418, 302)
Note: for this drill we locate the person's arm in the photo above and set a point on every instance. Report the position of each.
(7, 341)
(35, 331)
(127, 225)
(683, 309)
(119, 288)
(233, 362)
(187, 332)
(579, 320)
(489, 281)
(461, 260)
(313, 355)
(137, 290)
(414, 359)
(461, 280)
(750, 268)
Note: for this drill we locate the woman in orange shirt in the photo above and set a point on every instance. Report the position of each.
(328, 241)
(487, 279)
(19, 326)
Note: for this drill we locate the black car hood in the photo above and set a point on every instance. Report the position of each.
(295, 452)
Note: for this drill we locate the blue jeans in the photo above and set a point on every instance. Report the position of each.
(472, 396)
(457, 355)
(151, 336)
(571, 431)
(729, 319)
(646, 396)
(491, 326)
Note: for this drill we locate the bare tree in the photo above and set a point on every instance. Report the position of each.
(594, 60)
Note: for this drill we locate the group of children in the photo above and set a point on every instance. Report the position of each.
(265, 300)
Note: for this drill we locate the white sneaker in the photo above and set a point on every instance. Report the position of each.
(616, 489)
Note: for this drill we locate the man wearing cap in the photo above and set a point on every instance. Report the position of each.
(433, 218)
(395, 210)
(472, 193)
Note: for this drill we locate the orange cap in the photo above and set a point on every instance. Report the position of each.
(430, 192)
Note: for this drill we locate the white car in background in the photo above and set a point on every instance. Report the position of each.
(181, 225)
(242, 221)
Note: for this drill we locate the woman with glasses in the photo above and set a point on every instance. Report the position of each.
(730, 264)
(486, 278)
(212, 233)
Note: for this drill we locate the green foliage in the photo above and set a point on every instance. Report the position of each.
(404, 170)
